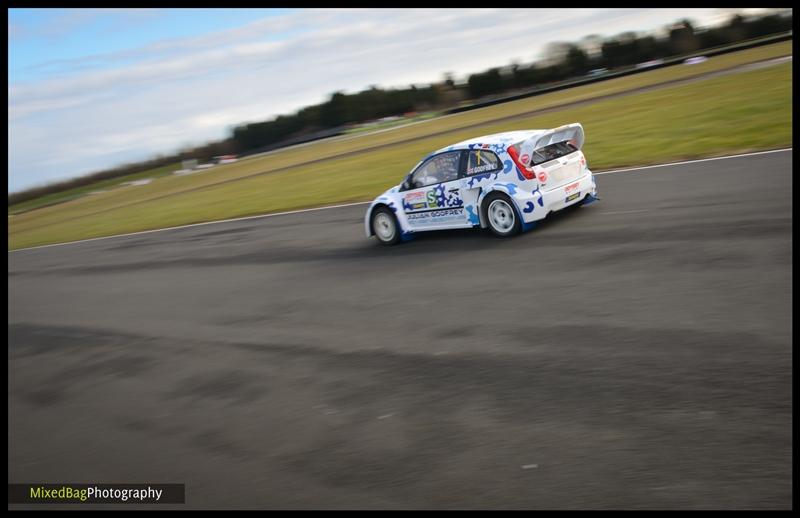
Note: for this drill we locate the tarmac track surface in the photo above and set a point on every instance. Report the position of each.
(633, 353)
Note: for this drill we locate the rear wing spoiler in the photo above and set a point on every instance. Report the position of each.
(572, 133)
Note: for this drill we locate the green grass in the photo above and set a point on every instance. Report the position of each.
(390, 124)
(77, 192)
(748, 111)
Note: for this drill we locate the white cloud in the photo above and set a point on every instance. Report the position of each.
(133, 104)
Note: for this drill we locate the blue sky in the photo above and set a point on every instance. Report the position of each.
(43, 36)
(93, 88)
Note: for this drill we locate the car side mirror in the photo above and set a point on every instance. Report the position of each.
(406, 185)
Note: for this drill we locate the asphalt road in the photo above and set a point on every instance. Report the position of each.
(634, 353)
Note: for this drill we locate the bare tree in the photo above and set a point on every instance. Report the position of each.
(556, 52)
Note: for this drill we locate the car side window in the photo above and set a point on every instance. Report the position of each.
(482, 161)
(438, 169)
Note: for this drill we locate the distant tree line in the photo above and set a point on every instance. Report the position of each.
(572, 60)
(206, 151)
(340, 110)
(563, 61)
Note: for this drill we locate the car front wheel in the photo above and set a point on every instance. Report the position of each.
(385, 227)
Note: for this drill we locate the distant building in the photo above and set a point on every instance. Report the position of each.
(695, 60)
(225, 159)
(650, 63)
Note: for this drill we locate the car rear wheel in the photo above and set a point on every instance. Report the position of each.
(501, 216)
(385, 227)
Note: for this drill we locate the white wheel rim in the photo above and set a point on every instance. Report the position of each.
(384, 227)
(501, 216)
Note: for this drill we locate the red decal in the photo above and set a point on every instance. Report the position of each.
(571, 187)
(524, 158)
(542, 177)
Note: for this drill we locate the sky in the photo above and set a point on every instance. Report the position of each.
(90, 89)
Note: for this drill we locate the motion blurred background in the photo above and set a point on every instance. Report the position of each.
(118, 91)
(637, 356)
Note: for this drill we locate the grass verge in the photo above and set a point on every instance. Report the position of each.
(98, 187)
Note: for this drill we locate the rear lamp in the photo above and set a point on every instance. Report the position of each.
(526, 171)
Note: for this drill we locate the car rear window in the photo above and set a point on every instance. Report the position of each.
(550, 152)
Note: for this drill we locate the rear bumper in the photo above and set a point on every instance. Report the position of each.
(543, 202)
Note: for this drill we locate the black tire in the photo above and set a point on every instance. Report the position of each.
(384, 226)
(500, 215)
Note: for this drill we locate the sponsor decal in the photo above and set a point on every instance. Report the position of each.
(418, 217)
(542, 176)
(571, 187)
(480, 169)
(453, 199)
(439, 217)
(446, 213)
(525, 158)
(414, 201)
(433, 202)
(573, 196)
(439, 198)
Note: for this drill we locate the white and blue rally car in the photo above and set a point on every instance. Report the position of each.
(505, 182)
